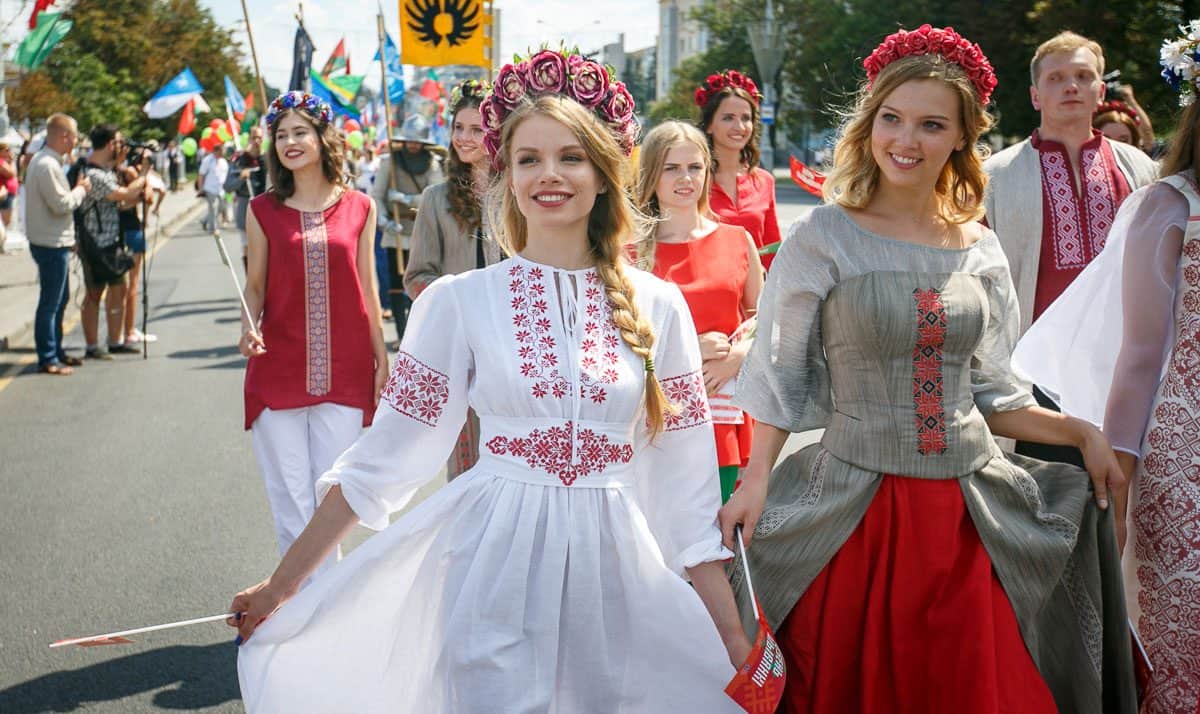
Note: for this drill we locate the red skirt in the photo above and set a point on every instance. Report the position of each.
(909, 618)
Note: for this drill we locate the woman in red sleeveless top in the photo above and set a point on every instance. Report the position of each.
(317, 356)
(743, 194)
(714, 264)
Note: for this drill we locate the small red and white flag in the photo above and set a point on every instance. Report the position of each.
(758, 685)
(809, 180)
(119, 638)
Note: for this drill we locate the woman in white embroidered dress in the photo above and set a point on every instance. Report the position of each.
(549, 577)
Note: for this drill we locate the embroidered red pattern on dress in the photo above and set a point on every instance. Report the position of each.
(598, 352)
(417, 390)
(686, 393)
(316, 301)
(927, 372)
(1165, 533)
(550, 450)
(536, 347)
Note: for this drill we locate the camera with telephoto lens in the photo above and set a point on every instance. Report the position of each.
(139, 153)
(1113, 89)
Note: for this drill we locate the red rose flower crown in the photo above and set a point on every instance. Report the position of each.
(1116, 105)
(729, 78)
(565, 72)
(927, 40)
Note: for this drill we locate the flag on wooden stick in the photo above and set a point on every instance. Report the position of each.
(758, 685)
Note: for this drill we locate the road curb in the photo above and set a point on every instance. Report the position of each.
(21, 334)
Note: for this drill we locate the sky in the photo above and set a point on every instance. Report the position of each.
(524, 24)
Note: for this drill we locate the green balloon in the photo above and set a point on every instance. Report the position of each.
(206, 133)
(188, 146)
(355, 139)
(371, 132)
(223, 133)
(245, 137)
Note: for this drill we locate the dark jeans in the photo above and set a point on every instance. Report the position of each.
(382, 274)
(1049, 452)
(399, 300)
(54, 278)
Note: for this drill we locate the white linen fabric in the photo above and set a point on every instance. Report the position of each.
(294, 448)
(547, 577)
(1082, 345)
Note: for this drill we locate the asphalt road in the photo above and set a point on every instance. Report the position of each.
(131, 497)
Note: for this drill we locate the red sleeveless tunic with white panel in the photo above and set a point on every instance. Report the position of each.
(314, 321)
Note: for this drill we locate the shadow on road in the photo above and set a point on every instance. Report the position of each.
(208, 353)
(204, 676)
(159, 317)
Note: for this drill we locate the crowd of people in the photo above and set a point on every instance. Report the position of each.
(607, 353)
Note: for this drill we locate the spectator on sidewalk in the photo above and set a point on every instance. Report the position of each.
(134, 218)
(251, 181)
(213, 171)
(50, 227)
(176, 170)
(98, 216)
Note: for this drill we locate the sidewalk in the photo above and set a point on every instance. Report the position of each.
(19, 281)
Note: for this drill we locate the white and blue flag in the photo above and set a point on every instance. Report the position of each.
(237, 103)
(395, 72)
(174, 95)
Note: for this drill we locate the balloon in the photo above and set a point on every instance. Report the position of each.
(204, 135)
(215, 124)
(355, 139)
(223, 134)
(188, 146)
(245, 138)
(371, 132)
(351, 126)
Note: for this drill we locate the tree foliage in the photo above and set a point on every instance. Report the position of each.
(119, 53)
(827, 40)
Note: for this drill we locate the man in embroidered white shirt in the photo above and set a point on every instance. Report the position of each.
(1052, 198)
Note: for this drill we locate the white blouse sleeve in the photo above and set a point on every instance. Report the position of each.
(1148, 280)
(994, 385)
(420, 413)
(678, 486)
(784, 380)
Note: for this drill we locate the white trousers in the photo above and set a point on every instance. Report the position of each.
(294, 448)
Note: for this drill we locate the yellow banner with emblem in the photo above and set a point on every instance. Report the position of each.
(440, 32)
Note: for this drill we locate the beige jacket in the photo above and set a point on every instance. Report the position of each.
(410, 187)
(50, 202)
(439, 246)
(1013, 202)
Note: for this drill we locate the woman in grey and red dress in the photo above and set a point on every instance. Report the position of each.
(909, 565)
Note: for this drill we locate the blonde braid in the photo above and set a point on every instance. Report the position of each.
(636, 333)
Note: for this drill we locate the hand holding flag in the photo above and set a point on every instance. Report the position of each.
(759, 683)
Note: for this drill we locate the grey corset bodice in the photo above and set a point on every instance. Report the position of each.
(899, 346)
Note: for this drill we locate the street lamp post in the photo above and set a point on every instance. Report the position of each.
(766, 41)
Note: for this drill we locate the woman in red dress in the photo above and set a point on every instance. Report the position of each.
(742, 193)
(711, 263)
(317, 359)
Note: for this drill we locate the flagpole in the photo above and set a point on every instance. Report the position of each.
(262, 87)
(393, 179)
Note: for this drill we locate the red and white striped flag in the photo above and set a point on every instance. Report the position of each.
(808, 179)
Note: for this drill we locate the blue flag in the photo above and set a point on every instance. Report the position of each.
(237, 103)
(174, 95)
(395, 72)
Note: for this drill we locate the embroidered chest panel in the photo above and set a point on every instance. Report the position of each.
(540, 337)
(316, 302)
(1079, 220)
(928, 383)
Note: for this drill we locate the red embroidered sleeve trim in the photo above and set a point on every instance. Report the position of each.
(687, 394)
(417, 390)
(316, 302)
(550, 450)
(928, 387)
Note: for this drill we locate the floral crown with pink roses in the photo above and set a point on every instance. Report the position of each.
(927, 40)
(729, 78)
(563, 72)
(310, 105)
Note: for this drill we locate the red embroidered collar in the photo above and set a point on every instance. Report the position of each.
(1050, 145)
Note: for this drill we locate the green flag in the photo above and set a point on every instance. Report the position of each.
(349, 84)
(37, 44)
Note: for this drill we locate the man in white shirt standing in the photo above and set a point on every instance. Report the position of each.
(213, 171)
(50, 227)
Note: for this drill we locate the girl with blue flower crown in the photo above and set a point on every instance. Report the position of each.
(317, 359)
(552, 575)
